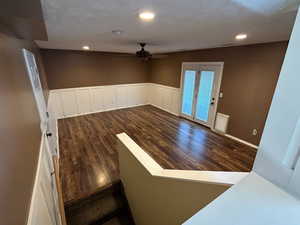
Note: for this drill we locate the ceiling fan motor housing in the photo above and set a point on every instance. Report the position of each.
(143, 53)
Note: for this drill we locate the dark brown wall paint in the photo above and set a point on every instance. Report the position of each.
(69, 69)
(249, 79)
(20, 134)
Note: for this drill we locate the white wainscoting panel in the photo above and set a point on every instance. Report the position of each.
(69, 102)
(109, 98)
(97, 102)
(84, 101)
(79, 101)
(55, 105)
(164, 97)
(44, 202)
(122, 101)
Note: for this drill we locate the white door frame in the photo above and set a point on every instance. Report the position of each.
(34, 77)
(218, 87)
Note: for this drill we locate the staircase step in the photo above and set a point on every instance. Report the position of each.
(121, 217)
(115, 187)
(99, 208)
(120, 220)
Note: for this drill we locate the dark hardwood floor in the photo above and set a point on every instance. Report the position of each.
(89, 158)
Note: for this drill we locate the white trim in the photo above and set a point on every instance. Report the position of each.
(35, 185)
(164, 86)
(212, 177)
(173, 113)
(217, 63)
(97, 87)
(165, 98)
(218, 94)
(126, 107)
(224, 115)
(240, 140)
(57, 139)
(106, 110)
(37, 89)
(67, 102)
(43, 179)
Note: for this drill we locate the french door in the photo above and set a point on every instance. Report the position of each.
(200, 90)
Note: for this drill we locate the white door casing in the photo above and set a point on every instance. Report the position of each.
(47, 123)
(33, 75)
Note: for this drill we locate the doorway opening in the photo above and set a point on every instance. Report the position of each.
(200, 88)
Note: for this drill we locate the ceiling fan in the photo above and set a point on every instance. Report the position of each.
(142, 54)
(146, 55)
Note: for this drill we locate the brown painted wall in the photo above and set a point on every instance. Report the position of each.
(19, 131)
(249, 79)
(69, 69)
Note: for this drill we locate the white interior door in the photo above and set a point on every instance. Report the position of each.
(33, 74)
(200, 92)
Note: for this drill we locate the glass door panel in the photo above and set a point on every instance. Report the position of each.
(188, 92)
(204, 97)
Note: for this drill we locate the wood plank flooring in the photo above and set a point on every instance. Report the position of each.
(89, 158)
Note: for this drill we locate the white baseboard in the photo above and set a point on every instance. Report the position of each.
(99, 111)
(241, 141)
(176, 114)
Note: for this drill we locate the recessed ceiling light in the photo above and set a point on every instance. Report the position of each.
(147, 15)
(86, 47)
(241, 36)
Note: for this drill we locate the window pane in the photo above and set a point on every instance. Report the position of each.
(188, 92)
(204, 95)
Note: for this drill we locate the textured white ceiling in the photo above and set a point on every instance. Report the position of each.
(178, 25)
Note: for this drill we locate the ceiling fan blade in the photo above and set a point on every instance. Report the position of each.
(119, 54)
(159, 56)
